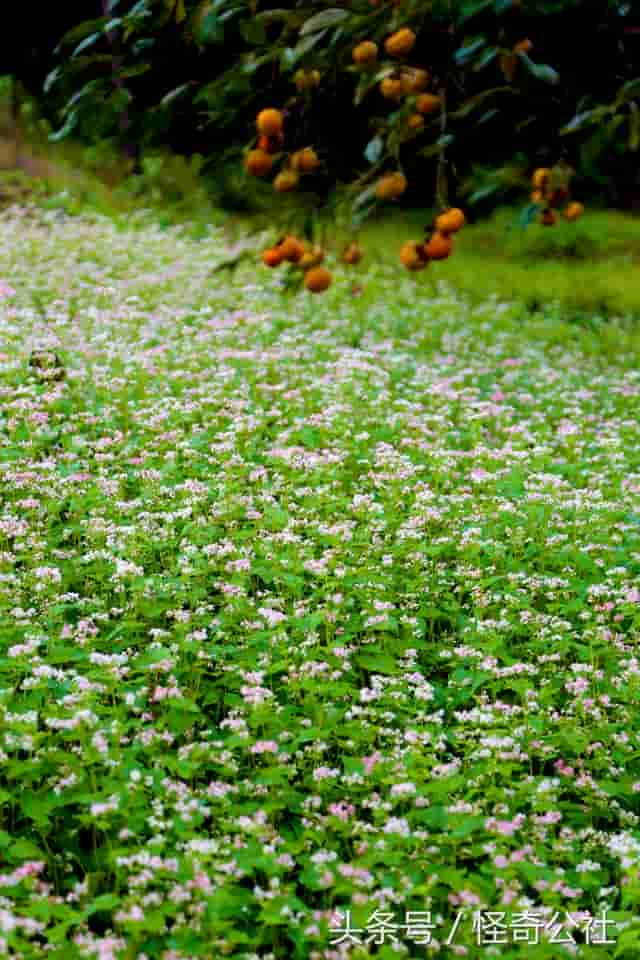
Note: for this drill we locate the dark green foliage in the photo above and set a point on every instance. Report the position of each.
(191, 75)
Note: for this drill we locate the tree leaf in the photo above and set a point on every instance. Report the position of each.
(66, 129)
(86, 43)
(466, 52)
(373, 150)
(579, 122)
(323, 20)
(173, 94)
(541, 71)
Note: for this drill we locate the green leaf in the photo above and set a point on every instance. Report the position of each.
(24, 849)
(174, 94)
(373, 150)
(482, 192)
(580, 121)
(83, 29)
(468, 51)
(303, 47)
(65, 130)
(377, 663)
(470, 105)
(541, 71)
(86, 43)
(107, 901)
(322, 20)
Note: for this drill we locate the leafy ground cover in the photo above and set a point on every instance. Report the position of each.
(309, 606)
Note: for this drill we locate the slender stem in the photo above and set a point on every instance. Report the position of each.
(441, 172)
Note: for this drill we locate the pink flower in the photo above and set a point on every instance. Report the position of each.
(342, 810)
(264, 746)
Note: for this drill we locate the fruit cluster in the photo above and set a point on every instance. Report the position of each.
(439, 242)
(309, 259)
(550, 191)
(404, 81)
(260, 159)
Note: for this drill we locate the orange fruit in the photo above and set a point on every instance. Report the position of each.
(558, 196)
(258, 163)
(414, 80)
(415, 121)
(412, 256)
(291, 249)
(391, 186)
(537, 196)
(439, 247)
(270, 144)
(427, 103)
(306, 79)
(365, 53)
(269, 122)
(400, 43)
(272, 257)
(391, 88)
(305, 161)
(523, 46)
(451, 221)
(540, 178)
(574, 210)
(353, 254)
(286, 180)
(547, 218)
(317, 279)
(311, 258)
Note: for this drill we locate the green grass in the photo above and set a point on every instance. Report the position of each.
(588, 267)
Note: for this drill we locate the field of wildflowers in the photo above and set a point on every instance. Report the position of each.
(319, 617)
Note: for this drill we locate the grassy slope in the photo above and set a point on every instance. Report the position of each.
(589, 266)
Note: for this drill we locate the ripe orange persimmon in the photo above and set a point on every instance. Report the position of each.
(291, 249)
(412, 256)
(305, 161)
(352, 254)
(414, 80)
(270, 122)
(558, 196)
(537, 196)
(286, 181)
(400, 43)
(415, 121)
(272, 257)
(317, 279)
(540, 178)
(258, 163)
(365, 53)
(270, 144)
(391, 186)
(523, 46)
(306, 79)
(391, 88)
(574, 210)
(311, 258)
(451, 221)
(439, 246)
(427, 103)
